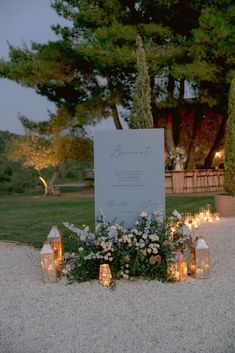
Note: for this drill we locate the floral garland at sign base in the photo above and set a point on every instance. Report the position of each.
(146, 250)
(153, 249)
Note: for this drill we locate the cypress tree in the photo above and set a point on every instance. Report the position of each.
(141, 115)
(229, 147)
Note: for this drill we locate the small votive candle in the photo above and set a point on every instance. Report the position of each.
(216, 217)
(105, 276)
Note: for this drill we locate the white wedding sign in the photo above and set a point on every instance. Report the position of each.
(129, 173)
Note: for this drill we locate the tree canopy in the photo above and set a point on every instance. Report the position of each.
(50, 144)
(90, 70)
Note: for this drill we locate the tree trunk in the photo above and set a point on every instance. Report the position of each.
(153, 103)
(218, 144)
(155, 114)
(46, 189)
(53, 178)
(181, 91)
(193, 143)
(115, 116)
(169, 131)
(169, 115)
(170, 87)
(113, 107)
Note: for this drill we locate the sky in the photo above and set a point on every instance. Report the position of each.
(25, 21)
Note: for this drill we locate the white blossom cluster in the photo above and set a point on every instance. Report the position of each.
(177, 154)
(109, 238)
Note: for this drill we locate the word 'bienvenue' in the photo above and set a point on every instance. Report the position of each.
(119, 151)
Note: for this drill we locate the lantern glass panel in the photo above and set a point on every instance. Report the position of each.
(48, 266)
(178, 267)
(187, 252)
(55, 239)
(200, 266)
(105, 276)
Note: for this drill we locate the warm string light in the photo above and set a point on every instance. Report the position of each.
(178, 268)
(199, 259)
(56, 242)
(52, 256)
(204, 216)
(196, 253)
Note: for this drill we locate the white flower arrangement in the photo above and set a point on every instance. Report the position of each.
(143, 250)
(177, 154)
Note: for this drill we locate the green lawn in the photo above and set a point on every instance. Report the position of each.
(28, 219)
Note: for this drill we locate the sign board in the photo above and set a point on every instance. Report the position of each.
(129, 173)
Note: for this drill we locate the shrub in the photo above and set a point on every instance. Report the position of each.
(229, 148)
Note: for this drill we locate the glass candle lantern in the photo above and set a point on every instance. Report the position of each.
(187, 252)
(216, 217)
(55, 239)
(199, 259)
(178, 267)
(105, 276)
(188, 218)
(201, 214)
(48, 265)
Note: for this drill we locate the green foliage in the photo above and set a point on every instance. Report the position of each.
(81, 270)
(212, 51)
(229, 148)
(141, 115)
(92, 65)
(13, 176)
(90, 70)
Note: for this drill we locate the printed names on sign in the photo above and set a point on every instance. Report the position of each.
(129, 173)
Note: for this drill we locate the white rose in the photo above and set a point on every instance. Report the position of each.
(80, 249)
(149, 250)
(144, 215)
(125, 276)
(144, 236)
(154, 237)
(155, 250)
(177, 214)
(97, 228)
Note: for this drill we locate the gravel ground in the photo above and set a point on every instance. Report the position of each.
(196, 316)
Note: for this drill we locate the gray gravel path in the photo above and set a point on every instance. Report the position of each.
(138, 317)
